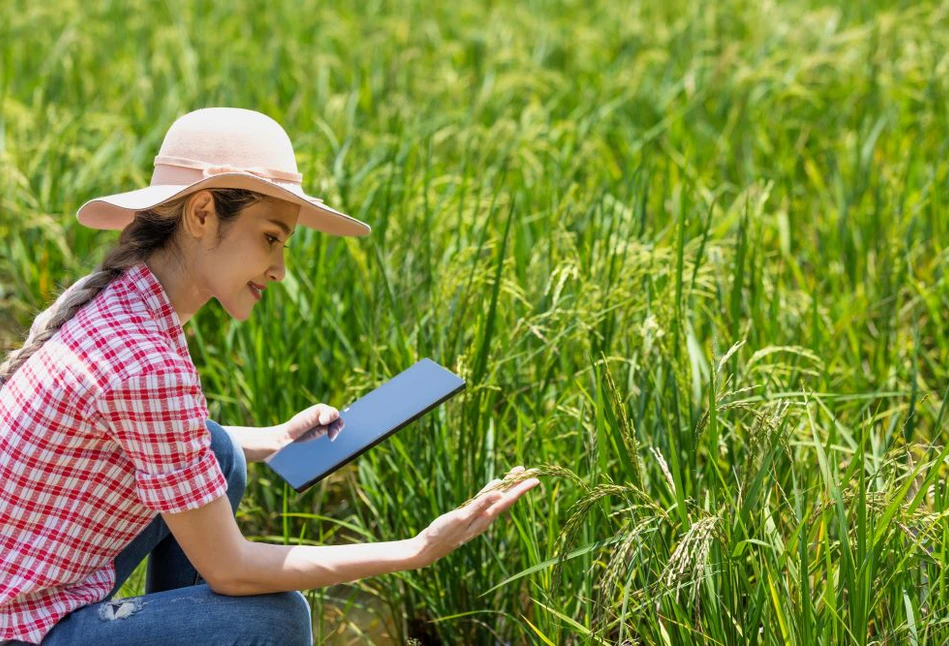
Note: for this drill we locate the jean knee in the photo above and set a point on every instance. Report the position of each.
(231, 459)
(294, 618)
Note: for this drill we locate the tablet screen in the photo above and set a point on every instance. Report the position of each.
(365, 423)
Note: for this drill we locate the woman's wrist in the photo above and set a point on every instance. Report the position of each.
(415, 556)
(258, 443)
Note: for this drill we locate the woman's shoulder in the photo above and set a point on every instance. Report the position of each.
(116, 337)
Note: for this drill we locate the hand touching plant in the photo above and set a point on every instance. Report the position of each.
(455, 528)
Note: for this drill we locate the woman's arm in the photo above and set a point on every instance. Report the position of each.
(235, 566)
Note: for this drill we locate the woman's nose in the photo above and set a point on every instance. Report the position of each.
(279, 269)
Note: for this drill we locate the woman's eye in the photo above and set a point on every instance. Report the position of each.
(273, 240)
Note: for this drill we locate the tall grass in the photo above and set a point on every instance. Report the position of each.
(688, 256)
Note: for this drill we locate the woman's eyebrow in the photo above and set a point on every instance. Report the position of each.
(286, 229)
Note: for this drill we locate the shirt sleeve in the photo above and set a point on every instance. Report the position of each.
(158, 418)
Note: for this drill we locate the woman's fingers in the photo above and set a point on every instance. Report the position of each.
(501, 504)
(478, 506)
(490, 485)
(326, 413)
(308, 418)
(494, 483)
(334, 428)
(321, 414)
(512, 495)
(513, 473)
(502, 484)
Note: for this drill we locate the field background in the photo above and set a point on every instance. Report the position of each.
(689, 257)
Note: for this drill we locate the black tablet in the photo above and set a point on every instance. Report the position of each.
(364, 423)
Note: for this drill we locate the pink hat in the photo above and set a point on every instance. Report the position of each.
(222, 148)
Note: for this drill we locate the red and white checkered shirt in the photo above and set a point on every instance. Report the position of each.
(100, 429)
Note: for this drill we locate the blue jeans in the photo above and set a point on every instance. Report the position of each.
(177, 608)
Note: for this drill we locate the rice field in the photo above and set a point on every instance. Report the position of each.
(688, 257)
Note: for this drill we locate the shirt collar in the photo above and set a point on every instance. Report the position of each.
(146, 284)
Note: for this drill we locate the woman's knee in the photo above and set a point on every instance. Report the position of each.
(277, 618)
(292, 622)
(230, 457)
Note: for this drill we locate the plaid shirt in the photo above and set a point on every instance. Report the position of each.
(100, 429)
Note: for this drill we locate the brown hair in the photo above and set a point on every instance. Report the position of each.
(151, 230)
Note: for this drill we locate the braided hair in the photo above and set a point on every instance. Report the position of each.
(150, 230)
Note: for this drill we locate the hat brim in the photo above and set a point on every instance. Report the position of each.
(115, 212)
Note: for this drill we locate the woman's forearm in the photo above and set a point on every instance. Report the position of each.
(266, 568)
(257, 443)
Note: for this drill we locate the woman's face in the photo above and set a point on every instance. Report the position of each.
(238, 267)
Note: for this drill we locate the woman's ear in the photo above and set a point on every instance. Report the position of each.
(200, 218)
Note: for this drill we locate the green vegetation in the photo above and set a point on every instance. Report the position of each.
(687, 255)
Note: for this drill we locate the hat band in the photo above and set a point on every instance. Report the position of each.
(209, 170)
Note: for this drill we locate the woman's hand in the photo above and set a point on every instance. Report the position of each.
(260, 444)
(454, 529)
(306, 420)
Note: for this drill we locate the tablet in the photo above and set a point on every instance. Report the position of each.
(364, 423)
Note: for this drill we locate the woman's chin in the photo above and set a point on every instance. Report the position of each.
(241, 312)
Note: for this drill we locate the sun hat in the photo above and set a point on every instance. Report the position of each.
(222, 148)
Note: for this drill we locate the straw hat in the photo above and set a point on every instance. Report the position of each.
(222, 148)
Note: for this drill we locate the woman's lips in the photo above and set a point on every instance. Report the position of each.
(256, 291)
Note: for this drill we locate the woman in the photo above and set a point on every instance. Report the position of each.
(106, 452)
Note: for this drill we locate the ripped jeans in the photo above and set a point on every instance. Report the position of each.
(177, 608)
